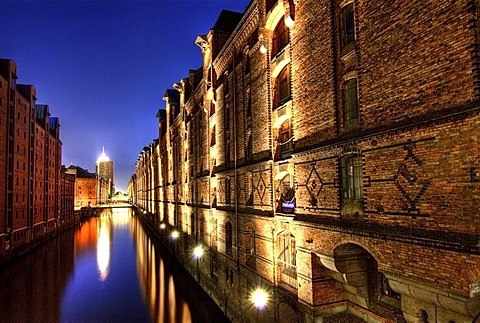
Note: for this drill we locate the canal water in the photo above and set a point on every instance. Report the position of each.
(108, 270)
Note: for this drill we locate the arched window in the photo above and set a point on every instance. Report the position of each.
(282, 87)
(280, 37)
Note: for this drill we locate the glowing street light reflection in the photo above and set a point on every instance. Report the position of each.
(259, 298)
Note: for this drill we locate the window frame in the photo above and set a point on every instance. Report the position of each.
(347, 28)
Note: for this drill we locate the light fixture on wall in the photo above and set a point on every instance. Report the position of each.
(289, 21)
(263, 49)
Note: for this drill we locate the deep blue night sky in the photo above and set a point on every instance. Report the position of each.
(103, 66)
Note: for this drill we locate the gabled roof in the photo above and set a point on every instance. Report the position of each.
(81, 173)
(227, 21)
(172, 95)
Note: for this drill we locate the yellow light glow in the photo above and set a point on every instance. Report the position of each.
(162, 226)
(175, 234)
(103, 252)
(259, 298)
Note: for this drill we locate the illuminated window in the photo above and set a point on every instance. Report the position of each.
(280, 37)
(350, 99)
(285, 136)
(347, 26)
(287, 253)
(282, 87)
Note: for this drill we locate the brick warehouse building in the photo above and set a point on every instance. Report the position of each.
(36, 197)
(327, 151)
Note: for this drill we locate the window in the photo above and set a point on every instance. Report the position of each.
(282, 87)
(287, 253)
(350, 99)
(385, 288)
(347, 29)
(228, 238)
(280, 37)
(249, 147)
(213, 137)
(247, 63)
(352, 185)
(228, 194)
(285, 136)
(248, 104)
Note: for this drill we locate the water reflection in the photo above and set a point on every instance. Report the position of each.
(103, 248)
(172, 294)
(110, 269)
(31, 286)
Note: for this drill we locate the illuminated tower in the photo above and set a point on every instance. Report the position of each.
(104, 170)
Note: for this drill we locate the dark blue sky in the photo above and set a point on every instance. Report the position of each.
(103, 66)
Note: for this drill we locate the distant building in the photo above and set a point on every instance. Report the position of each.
(104, 170)
(32, 182)
(85, 186)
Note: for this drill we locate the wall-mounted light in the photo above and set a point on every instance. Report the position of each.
(289, 21)
(263, 49)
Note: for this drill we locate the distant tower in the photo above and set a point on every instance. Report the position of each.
(105, 172)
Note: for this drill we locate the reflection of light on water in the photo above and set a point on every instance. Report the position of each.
(121, 217)
(153, 280)
(171, 299)
(186, 315)
(103, 250)
(161, 305)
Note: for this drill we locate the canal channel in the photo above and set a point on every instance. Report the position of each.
(109, 269)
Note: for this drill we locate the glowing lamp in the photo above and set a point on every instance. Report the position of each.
(289, 21)
(259, 298)
(198, 252)
(263, 49)
(175, 234)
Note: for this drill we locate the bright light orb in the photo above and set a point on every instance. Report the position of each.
(198, 252)
(162, 226)
(175, 234)
(259, 298)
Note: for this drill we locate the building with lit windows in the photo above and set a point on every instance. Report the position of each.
(35, 193)
(327, 152)
(104, 171)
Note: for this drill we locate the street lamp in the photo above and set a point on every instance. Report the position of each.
(198, 254)
(174, 234)
(259, 298)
